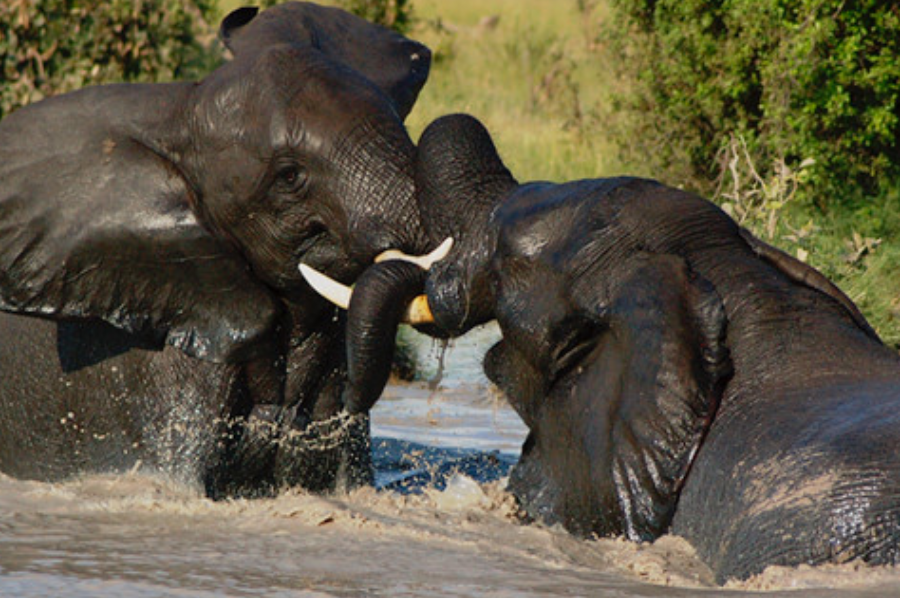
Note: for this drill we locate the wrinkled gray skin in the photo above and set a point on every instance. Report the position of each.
(675, 373)
(152, 311)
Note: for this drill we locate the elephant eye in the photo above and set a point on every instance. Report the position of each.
(290, 178)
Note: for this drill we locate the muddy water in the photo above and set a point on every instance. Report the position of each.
(439, 525)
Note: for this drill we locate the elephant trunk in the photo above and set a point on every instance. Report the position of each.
(380, 299)
(460, 179)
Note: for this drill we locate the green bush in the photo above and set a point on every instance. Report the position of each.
(811, 82)
(54, 46)
(396, 14)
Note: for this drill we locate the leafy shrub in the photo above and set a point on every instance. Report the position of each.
(396, 14)
(54, 46)
(812, 82)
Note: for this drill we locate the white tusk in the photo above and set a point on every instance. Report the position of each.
(417, 313)
(425, 262)
(326, 286)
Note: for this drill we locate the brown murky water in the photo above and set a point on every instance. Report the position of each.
(140, 535)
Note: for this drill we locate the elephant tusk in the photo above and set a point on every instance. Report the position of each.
(417, 313)
(338, 293)
(425, 262)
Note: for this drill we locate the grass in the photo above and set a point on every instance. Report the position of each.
(528, 70)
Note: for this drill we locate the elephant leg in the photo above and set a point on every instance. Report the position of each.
(308, 439)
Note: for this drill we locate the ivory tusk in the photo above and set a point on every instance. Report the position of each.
(425, 262)
(417, 313)
(338, 293)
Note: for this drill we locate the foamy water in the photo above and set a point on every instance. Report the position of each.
(455, 535)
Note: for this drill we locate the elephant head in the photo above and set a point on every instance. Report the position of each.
(649, 344)
(180, 211)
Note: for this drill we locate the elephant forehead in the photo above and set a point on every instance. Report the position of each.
(546, 221)
(369, 48)
(284, 93)
(534, 219)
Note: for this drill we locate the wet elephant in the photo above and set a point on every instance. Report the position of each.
(152, 311)
(676, 374)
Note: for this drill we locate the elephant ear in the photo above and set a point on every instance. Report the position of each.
(397, 65)
(634, 402)
(95, 222)
(803, 274)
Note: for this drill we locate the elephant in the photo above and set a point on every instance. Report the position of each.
(675, 373)
(151, 310)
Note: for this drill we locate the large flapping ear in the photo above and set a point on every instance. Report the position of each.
(633, 405)
(804, 274)
(397, 65)
(95, 223)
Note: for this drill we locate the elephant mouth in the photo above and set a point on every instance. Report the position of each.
(316, 242)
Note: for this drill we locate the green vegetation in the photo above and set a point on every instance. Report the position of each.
(55, 46)
(786, 113)
(530, 70)
(806, 81)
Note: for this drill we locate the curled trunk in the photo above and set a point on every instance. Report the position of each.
(460, 180)
(380, 298)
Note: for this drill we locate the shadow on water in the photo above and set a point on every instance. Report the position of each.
(411, 468)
